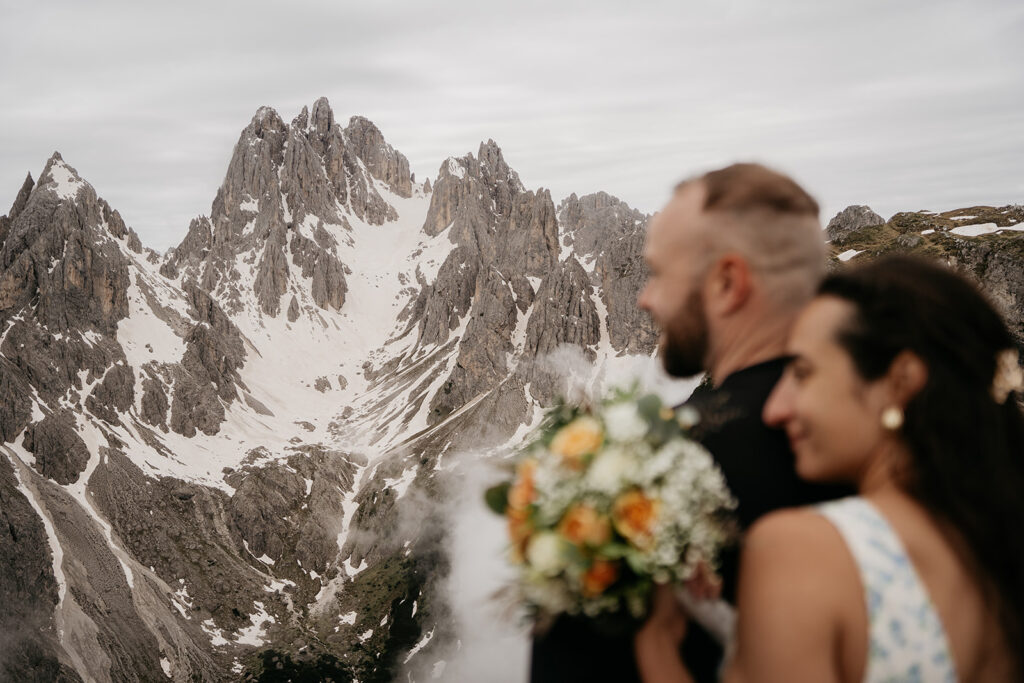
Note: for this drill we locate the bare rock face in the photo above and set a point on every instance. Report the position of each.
(292, 510)
(381, 159)
(850, 220)
(589, 222)
(192, 250)
(327, 274)
(272, 276)
(16, 403)
(426, 186)
(195, 406)
(505, 235)
(17, 207)
(181, 531)
(60, 452)
(565, 314)
(68, 263)
(483, 356)
(28, 591)
(448, 299)
(154, 403)
(606, 231)
(531, 239)
(113, 394)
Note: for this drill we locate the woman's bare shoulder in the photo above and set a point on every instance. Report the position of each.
(794, 530)
(797, 585)
(800, 545)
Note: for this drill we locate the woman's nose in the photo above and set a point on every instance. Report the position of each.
(779, 406)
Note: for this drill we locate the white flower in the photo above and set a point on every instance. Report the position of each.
(624, 423)
(552, 595)
(687, 417)
(608, 470)
(662, 462)
(546, 553)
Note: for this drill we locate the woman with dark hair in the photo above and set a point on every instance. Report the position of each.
(905, 382)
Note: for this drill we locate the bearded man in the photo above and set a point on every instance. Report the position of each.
(732, 258)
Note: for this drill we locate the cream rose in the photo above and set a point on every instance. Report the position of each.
(546, 553)
(624, 423)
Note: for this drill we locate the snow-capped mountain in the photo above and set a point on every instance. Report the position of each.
(233, 452)
(233, 458)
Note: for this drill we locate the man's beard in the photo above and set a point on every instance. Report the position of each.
(684, 342)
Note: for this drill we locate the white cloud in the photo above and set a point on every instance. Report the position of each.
(901, 106)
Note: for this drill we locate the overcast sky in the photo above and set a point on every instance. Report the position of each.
(899, 105)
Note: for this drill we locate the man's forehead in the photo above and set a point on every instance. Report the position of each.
(679, 219)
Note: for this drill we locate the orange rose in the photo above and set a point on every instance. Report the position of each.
(519, 530)
(520, 495)
(583, 525)
(634, 515)
(583, 436)
(522, 492)
(602, 573)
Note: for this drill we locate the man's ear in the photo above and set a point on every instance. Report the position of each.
(728, 285)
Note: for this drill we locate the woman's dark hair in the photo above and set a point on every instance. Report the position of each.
(967, 447)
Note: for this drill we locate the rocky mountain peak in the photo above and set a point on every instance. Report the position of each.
(19, 205)
(22, 198)
(301, 120)
(590, 222)
(850, 220)
(322, 120)
(480, 189)
(285, 208)
(492, 161)
(266, 119)
(65, 252)
(59, 178)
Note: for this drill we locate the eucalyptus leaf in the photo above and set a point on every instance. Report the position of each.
(496, 497)
(649, 406)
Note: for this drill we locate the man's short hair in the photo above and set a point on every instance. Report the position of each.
(772, 221)
(746, 187)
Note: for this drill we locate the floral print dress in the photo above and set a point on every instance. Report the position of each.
(907, 642)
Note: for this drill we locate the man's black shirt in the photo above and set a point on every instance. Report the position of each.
(759, 470)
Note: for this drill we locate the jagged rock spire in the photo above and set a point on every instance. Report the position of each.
(289, 196)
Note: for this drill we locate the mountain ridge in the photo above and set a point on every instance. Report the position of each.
(218, 489)
(241, 449)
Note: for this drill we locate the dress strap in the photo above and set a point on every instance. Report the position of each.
(907, 641)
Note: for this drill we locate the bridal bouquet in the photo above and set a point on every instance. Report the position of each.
(608, 499)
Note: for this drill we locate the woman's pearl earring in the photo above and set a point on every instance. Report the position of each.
(892, 418)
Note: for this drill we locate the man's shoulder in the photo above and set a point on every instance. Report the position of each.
(730, 413)
(756, 459)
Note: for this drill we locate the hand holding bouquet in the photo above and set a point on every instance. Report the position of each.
(608, 500)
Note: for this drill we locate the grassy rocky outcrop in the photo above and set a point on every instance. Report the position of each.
(995, 259)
